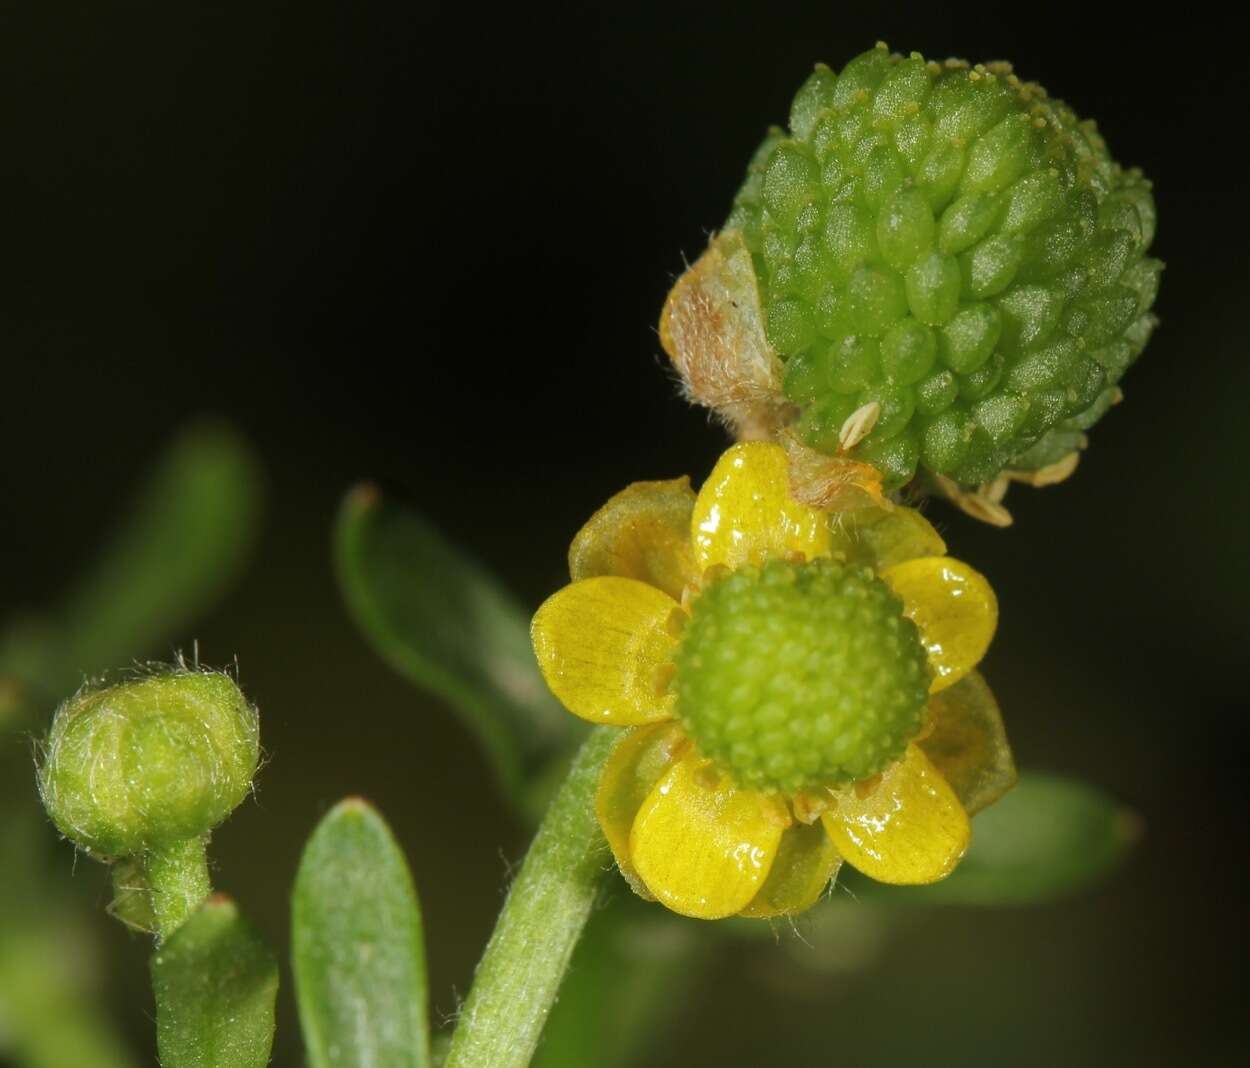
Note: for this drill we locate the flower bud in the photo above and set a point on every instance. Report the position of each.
(146, 764)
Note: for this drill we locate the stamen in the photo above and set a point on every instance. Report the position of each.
(675, 625)
(809, 805)
(865, 788)
(664, 678)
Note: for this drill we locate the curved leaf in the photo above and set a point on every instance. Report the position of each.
(446, 625)
(186, 536)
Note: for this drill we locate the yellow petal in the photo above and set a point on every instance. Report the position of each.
(968, 743)
(881, 539)
(806, 862)
(745, 514)
(642, 533)
(910, 829)
(604, 646)
(702, 846)
(637, 762)
(955, 608)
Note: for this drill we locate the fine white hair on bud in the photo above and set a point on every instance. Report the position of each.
(150, 762)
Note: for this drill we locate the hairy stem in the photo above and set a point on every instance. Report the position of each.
(519, 975)
(177, 879)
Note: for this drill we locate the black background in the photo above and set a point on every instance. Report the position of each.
(428, 244)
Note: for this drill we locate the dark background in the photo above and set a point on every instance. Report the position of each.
(428, 244)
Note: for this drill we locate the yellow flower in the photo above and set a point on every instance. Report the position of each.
(798, 689)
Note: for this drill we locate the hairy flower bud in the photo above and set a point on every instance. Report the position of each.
(146, 764)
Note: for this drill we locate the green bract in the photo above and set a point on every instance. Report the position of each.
(948, 242)
(793, 676)
(147, 764)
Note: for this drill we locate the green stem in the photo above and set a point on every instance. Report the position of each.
(519, 975)
(177, 878)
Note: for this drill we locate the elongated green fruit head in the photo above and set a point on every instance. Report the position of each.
(951, 245)
(144, 765)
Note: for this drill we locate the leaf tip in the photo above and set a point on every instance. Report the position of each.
(363, 497)
(354, 805)
(1128, 825)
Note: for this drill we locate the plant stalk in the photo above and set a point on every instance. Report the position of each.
(177, 881)
(548, 904)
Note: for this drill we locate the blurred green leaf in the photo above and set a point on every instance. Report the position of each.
(625, 987)
(185, 538)
(445, 624)
(215, 984)
(357, 946)
(47, 1018)
(183, 541)
(1047, 839)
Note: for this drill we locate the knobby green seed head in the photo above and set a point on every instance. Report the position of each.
(792, 676)
(953, 244)
(150, 763)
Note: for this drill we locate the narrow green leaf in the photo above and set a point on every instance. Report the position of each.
(1049, 838)
(445, 624)
(215, 984)
(357, 946)
(181, 544)
(185, 538)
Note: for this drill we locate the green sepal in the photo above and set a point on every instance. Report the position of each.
(1049, 838)
(357, 946)
(445, 624)
(968, 744)
(132, 897)
(215, 983)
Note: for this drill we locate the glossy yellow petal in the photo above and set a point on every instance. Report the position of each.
(642, 533)
(702, 846)
(637, 762)
(806, 862)
(881, 539)
(745, 514)
(967, 743)
(910, 829)
(955, 608)
(604, 647)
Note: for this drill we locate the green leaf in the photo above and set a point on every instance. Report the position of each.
(626, 984)
(181, 544)
(185, 538)
(445, 624)
(357, 946)
(1047, 839)
(49, 1020)
(215, 984)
